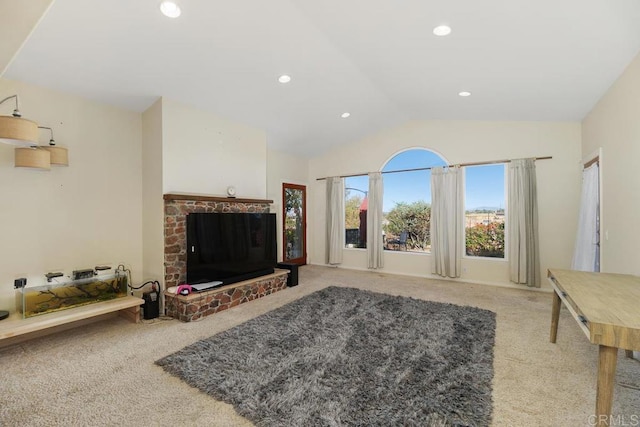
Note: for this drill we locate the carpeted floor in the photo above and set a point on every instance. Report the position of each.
(344, 356)
(104, 374)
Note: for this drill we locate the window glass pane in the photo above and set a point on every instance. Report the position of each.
(407, 201)
(355, 211)
(484, 215)
(294, 204)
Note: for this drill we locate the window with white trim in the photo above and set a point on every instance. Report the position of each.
(356, 189)
(485, 211)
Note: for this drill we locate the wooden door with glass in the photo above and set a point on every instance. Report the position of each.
(294, 223)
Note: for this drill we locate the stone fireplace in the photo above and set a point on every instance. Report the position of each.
(192, 307)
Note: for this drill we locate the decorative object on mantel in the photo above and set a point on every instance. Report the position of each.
(15, 130)
(231, 191)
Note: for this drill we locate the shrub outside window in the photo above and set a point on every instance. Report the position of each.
(484, 211)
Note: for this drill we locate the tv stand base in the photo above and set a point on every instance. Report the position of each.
(195, 306)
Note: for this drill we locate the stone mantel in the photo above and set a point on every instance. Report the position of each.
(205, 198)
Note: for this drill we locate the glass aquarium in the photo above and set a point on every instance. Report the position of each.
(59, 295)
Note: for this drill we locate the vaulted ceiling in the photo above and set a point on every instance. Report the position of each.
(378, 60)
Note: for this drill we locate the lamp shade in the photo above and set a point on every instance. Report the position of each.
(59, 155)
(18, 131)
(32, 158)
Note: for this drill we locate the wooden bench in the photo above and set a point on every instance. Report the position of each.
(15, 329)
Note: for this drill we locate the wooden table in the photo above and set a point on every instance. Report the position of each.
(606, 308)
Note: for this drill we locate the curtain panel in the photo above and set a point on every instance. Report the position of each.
(447, 218)
(522, 226)
(335, 220)
(375, 245)
(585, 254)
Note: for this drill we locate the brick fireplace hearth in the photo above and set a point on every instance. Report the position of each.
(189, 308)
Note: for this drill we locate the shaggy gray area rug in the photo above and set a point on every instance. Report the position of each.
(344, 356)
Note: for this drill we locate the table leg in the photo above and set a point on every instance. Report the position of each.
(608, 358)
(555, 316)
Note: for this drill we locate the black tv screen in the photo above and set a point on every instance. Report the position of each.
(230, 247)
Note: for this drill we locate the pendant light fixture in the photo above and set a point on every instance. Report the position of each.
(15, 130)
(32, 157)
(59, 155)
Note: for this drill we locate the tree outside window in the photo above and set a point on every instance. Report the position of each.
(407, 200)
(355, 207)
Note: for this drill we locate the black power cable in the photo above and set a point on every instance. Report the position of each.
(155, 284)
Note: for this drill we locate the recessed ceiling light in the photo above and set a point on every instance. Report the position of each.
(345, 115)
(170, 9)
(284, 78)
(464, 93)
(442, 30)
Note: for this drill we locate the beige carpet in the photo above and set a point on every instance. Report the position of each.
(103, 374)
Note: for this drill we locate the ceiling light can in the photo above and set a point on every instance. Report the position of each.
(284, 78)
(170, 9)
(345, 115)
(464, 93)
(442, 30)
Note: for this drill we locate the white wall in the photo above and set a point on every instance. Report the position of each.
(460, 142)
(186, 150)
(205, 154)
(614, 125)
(284, 168)
(74, 217)
(152, 202)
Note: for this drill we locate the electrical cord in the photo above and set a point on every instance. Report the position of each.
(155, 285)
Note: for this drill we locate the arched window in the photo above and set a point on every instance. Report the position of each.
(407, 199)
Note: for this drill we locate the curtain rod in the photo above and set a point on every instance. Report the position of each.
(592, 161)
(490, 162)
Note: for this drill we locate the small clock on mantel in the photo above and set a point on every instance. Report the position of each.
(231, 191)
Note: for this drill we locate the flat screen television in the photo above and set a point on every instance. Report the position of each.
(230, 247)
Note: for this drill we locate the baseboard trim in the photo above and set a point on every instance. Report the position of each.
(449, 279)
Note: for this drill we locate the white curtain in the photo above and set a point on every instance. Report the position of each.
(522, 224)
(446, 221)
(374, 222)
(335, 220)
(585, 254)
